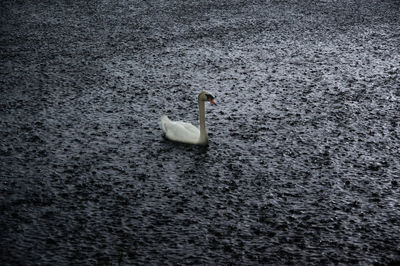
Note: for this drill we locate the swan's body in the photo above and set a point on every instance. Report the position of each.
(182, 132)
(185, 132)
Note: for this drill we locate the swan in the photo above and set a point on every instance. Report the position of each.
(185, 132)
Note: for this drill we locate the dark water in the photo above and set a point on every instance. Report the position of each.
(303, 164)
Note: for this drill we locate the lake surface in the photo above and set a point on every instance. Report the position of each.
(304, 156)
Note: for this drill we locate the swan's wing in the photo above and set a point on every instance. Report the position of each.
(189, 127)
(180, 131)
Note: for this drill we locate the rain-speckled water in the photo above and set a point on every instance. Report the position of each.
(303, 162)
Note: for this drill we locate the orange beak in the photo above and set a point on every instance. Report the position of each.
(212, 101)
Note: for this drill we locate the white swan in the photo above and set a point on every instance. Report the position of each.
(187, 133)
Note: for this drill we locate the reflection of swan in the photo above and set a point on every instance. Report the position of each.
(187, 133)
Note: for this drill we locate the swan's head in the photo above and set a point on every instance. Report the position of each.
(206, 97)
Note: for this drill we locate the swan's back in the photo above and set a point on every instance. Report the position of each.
(179, 131)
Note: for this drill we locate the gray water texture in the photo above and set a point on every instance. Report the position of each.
(303, 162)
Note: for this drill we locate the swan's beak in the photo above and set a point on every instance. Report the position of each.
(212, 101)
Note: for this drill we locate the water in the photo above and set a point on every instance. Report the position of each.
(303, 161)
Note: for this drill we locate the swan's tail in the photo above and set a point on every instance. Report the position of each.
(163, 122)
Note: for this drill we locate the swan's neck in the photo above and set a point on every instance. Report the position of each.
(203, 132)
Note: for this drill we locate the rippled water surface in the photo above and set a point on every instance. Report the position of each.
(303, 161)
